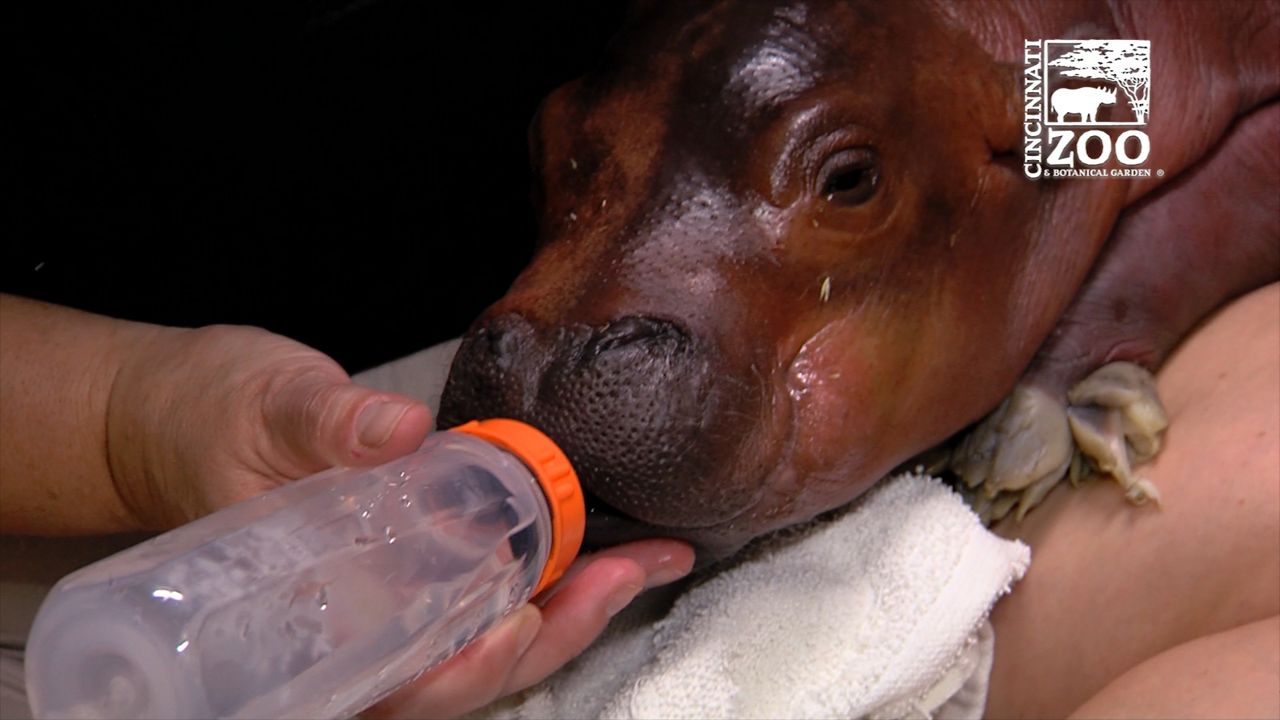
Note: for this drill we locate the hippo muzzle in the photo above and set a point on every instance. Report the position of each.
(639, 404)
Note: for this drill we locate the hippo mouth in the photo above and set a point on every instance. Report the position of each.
(607, 526)
(641, 407)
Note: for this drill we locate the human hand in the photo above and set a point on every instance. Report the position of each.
(539, 638)
(200, 419)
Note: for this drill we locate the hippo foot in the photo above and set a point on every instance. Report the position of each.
(1117, 421)
(1014, 457)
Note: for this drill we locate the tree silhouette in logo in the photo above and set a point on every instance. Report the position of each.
(1127, 63)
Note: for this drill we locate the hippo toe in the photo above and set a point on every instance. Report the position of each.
(1109, 423)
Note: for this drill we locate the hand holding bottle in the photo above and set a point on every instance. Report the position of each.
(158, 426)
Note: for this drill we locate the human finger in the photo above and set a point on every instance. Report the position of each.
(471, 679)
(316, 420)
(596, 588)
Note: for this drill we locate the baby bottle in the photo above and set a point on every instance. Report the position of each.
(319, 598)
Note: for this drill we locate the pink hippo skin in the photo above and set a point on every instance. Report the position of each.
(787, 246)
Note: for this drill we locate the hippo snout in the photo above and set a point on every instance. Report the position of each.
(637, 404)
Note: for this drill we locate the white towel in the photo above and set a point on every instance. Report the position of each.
(879, 612)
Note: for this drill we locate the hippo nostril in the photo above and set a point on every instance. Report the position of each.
(503, 338)
(488, 377)
(634, 329)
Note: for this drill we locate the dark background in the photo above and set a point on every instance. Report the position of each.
(353, 175)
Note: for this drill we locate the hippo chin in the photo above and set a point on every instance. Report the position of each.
(786, 246)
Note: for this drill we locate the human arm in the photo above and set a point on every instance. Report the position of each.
(1144, 610)
(110, 425)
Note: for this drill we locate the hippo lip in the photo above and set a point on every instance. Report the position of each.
(607, 526)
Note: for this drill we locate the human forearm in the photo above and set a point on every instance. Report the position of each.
(57, 367)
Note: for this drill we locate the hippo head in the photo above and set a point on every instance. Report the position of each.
(783, 248)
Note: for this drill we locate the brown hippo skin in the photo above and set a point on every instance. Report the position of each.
(786, 246)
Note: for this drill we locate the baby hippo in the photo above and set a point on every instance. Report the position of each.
(786, 246)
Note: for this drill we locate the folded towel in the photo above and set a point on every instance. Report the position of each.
(879, 612)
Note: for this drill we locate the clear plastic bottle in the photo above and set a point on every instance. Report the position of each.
(319, 598)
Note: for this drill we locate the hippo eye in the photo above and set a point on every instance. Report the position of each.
(849, 177)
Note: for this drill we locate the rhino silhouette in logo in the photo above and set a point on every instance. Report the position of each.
(1081, 101)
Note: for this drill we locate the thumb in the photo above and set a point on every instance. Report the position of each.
(317, 421)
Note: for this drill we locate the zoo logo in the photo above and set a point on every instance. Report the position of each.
(1082, 81)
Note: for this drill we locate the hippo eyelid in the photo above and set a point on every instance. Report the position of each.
(849, 177)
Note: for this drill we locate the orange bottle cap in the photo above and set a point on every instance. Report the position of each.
(558, 480)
